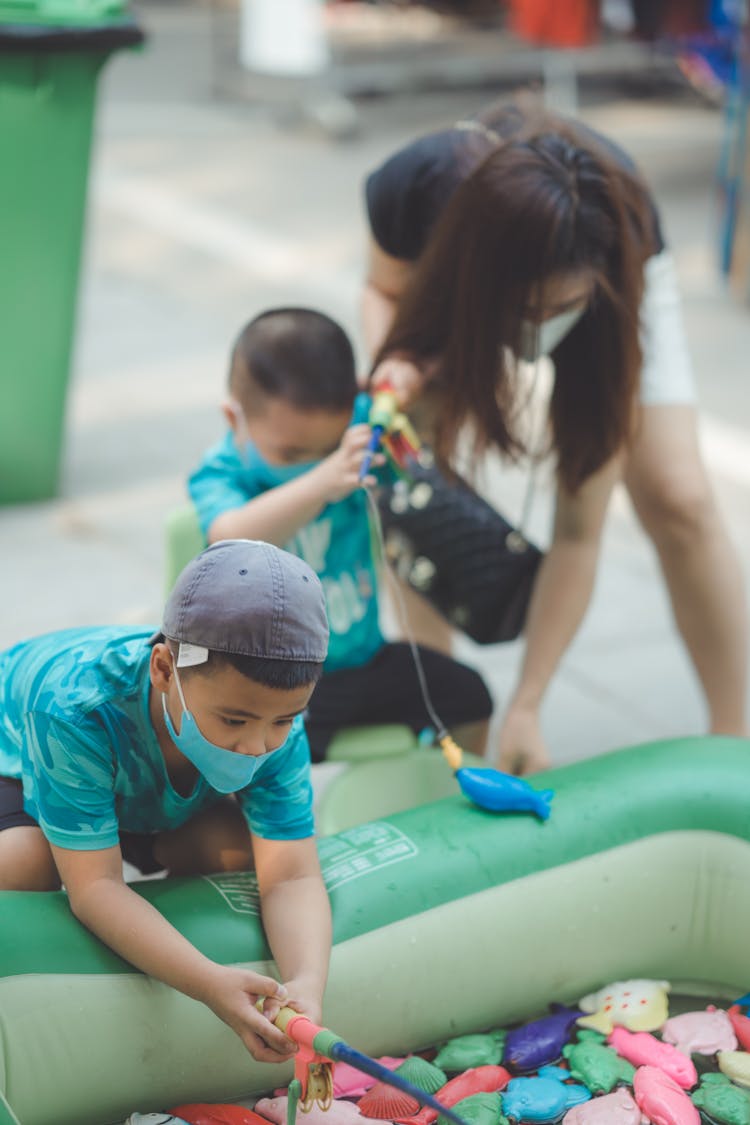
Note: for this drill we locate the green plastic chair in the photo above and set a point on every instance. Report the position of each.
(369, 790)
(185, 540)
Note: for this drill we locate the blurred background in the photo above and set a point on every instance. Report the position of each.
(225, 176)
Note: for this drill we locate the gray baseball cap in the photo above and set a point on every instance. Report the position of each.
(247, 598)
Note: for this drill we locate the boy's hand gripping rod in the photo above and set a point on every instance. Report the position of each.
(313, 1078)
(390, 429)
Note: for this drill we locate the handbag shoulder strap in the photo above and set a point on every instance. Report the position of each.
(535, 457)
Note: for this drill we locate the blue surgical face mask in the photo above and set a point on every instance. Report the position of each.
(224, 770)
(272, 475)
(267, 475)
(542, 339)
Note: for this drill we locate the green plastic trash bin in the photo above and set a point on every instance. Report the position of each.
(51, 52)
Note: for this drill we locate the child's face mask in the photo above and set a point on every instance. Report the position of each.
(226, 771)
(271, 475)
(312, 435)
(542, 339)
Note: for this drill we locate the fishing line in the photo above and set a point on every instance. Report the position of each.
(440, 728)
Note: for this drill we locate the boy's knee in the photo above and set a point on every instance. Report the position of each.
(26, 862)
(471, 697)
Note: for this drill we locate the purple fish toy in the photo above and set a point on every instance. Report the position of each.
(540, 1042)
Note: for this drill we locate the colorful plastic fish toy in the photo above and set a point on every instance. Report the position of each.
(543, 1098)
(478, 1080)
(600, 1068)
(701, 1033)
(661, 1100)
(540, 1042)
(471, 1050)
(340, 1113)
(639, 1005)
(741, 1025)
(479, 1109)
(736, 1065)
(642, 1049)
(351, 1083)
(203, 1113)
(617, 1108)
(721, 1100)
(501, 792)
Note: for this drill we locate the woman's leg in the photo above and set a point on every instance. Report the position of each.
(216, 839)
(672, 495)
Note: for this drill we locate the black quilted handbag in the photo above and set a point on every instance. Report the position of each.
(449, 545)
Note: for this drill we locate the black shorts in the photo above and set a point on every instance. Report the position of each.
(137, 848)
(386, 690)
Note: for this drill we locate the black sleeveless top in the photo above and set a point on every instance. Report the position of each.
(406, 195)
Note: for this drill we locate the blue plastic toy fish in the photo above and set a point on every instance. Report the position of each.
(540, 1042)
(542, 1099)
(501, 792)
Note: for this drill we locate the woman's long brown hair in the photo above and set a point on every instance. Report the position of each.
(546, 202)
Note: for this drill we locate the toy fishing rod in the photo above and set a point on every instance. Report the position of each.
(391, 430)
(317, 1046)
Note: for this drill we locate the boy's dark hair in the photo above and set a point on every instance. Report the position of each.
(284, 675)
(296, 354)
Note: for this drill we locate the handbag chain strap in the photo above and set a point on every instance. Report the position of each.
(516, 540)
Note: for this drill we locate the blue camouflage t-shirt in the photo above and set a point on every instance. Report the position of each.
(337, 545)
(75, 728)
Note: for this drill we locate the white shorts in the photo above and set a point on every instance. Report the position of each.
(667, 373)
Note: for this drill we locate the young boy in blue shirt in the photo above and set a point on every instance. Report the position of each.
(120, 743)
(288, 471)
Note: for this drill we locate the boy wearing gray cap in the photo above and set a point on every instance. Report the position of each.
(182, 749)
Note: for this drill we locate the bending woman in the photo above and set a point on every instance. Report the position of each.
(520, 233)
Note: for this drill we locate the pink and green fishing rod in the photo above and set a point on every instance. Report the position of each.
(314, 1082)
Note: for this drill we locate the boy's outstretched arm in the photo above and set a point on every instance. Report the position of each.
(132, 927)
(278, 514)
(297, 920)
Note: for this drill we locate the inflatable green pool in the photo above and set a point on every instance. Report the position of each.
(447, 920)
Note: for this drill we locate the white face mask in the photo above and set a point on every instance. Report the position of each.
(542, 339)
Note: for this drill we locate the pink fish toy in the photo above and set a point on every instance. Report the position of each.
(339, 1113)
(661, 1100)
(351, 1083)
(642, 1049)
(701, 1033)
(617, 1108)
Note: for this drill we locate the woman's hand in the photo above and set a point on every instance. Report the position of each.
(404, 376)
(233, 995)
(522, 749)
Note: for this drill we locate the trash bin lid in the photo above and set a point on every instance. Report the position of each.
(65, 13)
